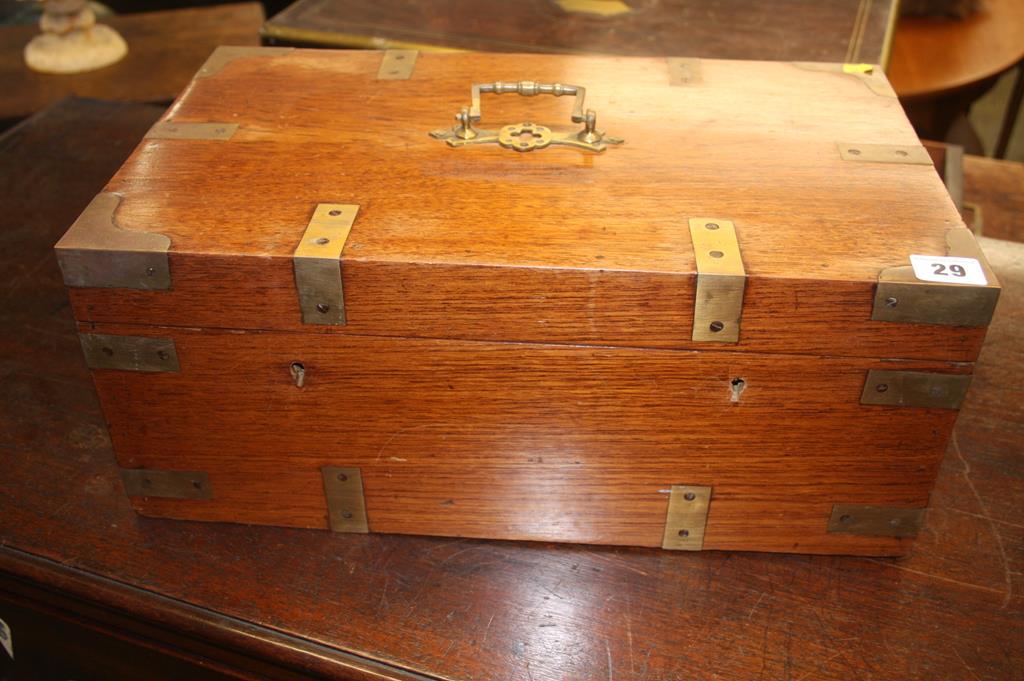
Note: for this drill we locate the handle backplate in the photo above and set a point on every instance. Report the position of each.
(526, 136)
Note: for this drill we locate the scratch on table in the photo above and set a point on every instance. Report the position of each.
(487, 629)
(608, 650)
(995, 530)
(966, 666)
(759, 599)
(823, 665)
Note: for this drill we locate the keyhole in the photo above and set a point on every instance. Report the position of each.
(298, 371)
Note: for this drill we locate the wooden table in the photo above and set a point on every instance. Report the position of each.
(120, 593)
(939, 66)
(804, 30)
(165, 49)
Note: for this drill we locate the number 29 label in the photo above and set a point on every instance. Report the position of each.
(948, 270)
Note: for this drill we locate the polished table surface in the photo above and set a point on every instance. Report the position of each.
(253, 599)
(165, 49)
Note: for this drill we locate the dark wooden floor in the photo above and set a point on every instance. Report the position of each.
(352, 606)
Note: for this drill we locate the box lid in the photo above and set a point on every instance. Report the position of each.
(813, 167)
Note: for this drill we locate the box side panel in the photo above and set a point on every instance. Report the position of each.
(518, 441)
(543, 305)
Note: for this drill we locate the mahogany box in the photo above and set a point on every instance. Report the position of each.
(734, 308)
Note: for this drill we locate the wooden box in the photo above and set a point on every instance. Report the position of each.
(309, 300)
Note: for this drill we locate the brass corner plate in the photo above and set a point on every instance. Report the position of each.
(910, 154)
(397, 65)
(683, 70)
(176, 130)
(225, 54)
(721, 280)
(875, 521)
(924, 389)
(96, 253)
(145, 482)
(901, 297)
(317, 263)
(687, 517)
(346, 509)
(129, 353)
(871, 75)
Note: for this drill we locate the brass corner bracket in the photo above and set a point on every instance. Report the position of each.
(129, 353)
(925, 389)
(148, 482)
(875, 521)
(901, 297)
(95, 252)
(225, 54)
(871, 75)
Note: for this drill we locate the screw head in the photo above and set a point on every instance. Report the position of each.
(891, 302)
(342, 477)
(684, 533)
(882, 387)
(689, 496)
(716, 326)
(323, 308)
(711, 225)
(334, 213)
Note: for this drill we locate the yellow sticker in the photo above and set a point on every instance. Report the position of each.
(604, 8)
(859, 68)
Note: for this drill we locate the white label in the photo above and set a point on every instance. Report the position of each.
(948, 270)
(5, 638)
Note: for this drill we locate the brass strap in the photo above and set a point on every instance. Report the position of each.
(721, 280)
(317, 264)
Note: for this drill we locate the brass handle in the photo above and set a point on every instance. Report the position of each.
(526, 136)
(528, 88)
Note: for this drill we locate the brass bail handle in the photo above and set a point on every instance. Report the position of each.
(526, 136)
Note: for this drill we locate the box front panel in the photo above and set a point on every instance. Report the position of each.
(524, 441)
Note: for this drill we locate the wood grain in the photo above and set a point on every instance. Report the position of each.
(512, 441)
(319, 604)
(557, 245)
(830, 30)
(164, 51)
